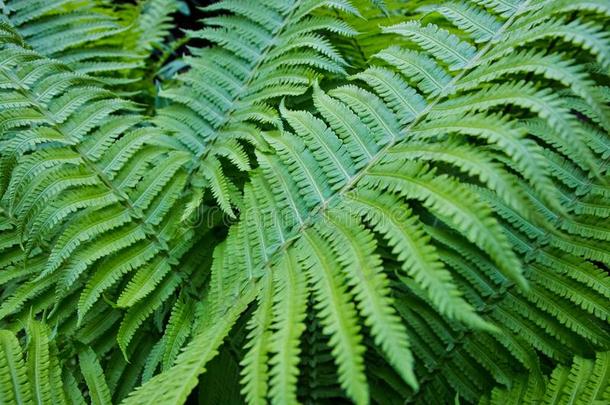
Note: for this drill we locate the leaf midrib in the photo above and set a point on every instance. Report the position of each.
(245, 85)
(310, 220)
(123, 198)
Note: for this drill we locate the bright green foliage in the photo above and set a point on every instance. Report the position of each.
(587, 381)
(262, 52)
(42, 377)
(92, 36)
(321, 201)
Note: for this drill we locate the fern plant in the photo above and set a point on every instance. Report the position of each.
(584, 382)
(331, 200)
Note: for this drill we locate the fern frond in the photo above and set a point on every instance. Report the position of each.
(43, 378)
(263, 52)
(420, 259)
(255, 370)
(288, 315)
(586, 381)
(370, 288)
(337, 315)
(425, 228)
(94, 375)
(153, 22)
(475, 21)
(86, 187)
(358, 146)
(89, 36)
(38, 364)
(443, 45)
(15, 386)
(175, 384)
(178, 330)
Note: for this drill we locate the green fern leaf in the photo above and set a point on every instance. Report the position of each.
(15, 387)
(94, 376)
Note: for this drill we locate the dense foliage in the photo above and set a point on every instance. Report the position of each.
(304, 201)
